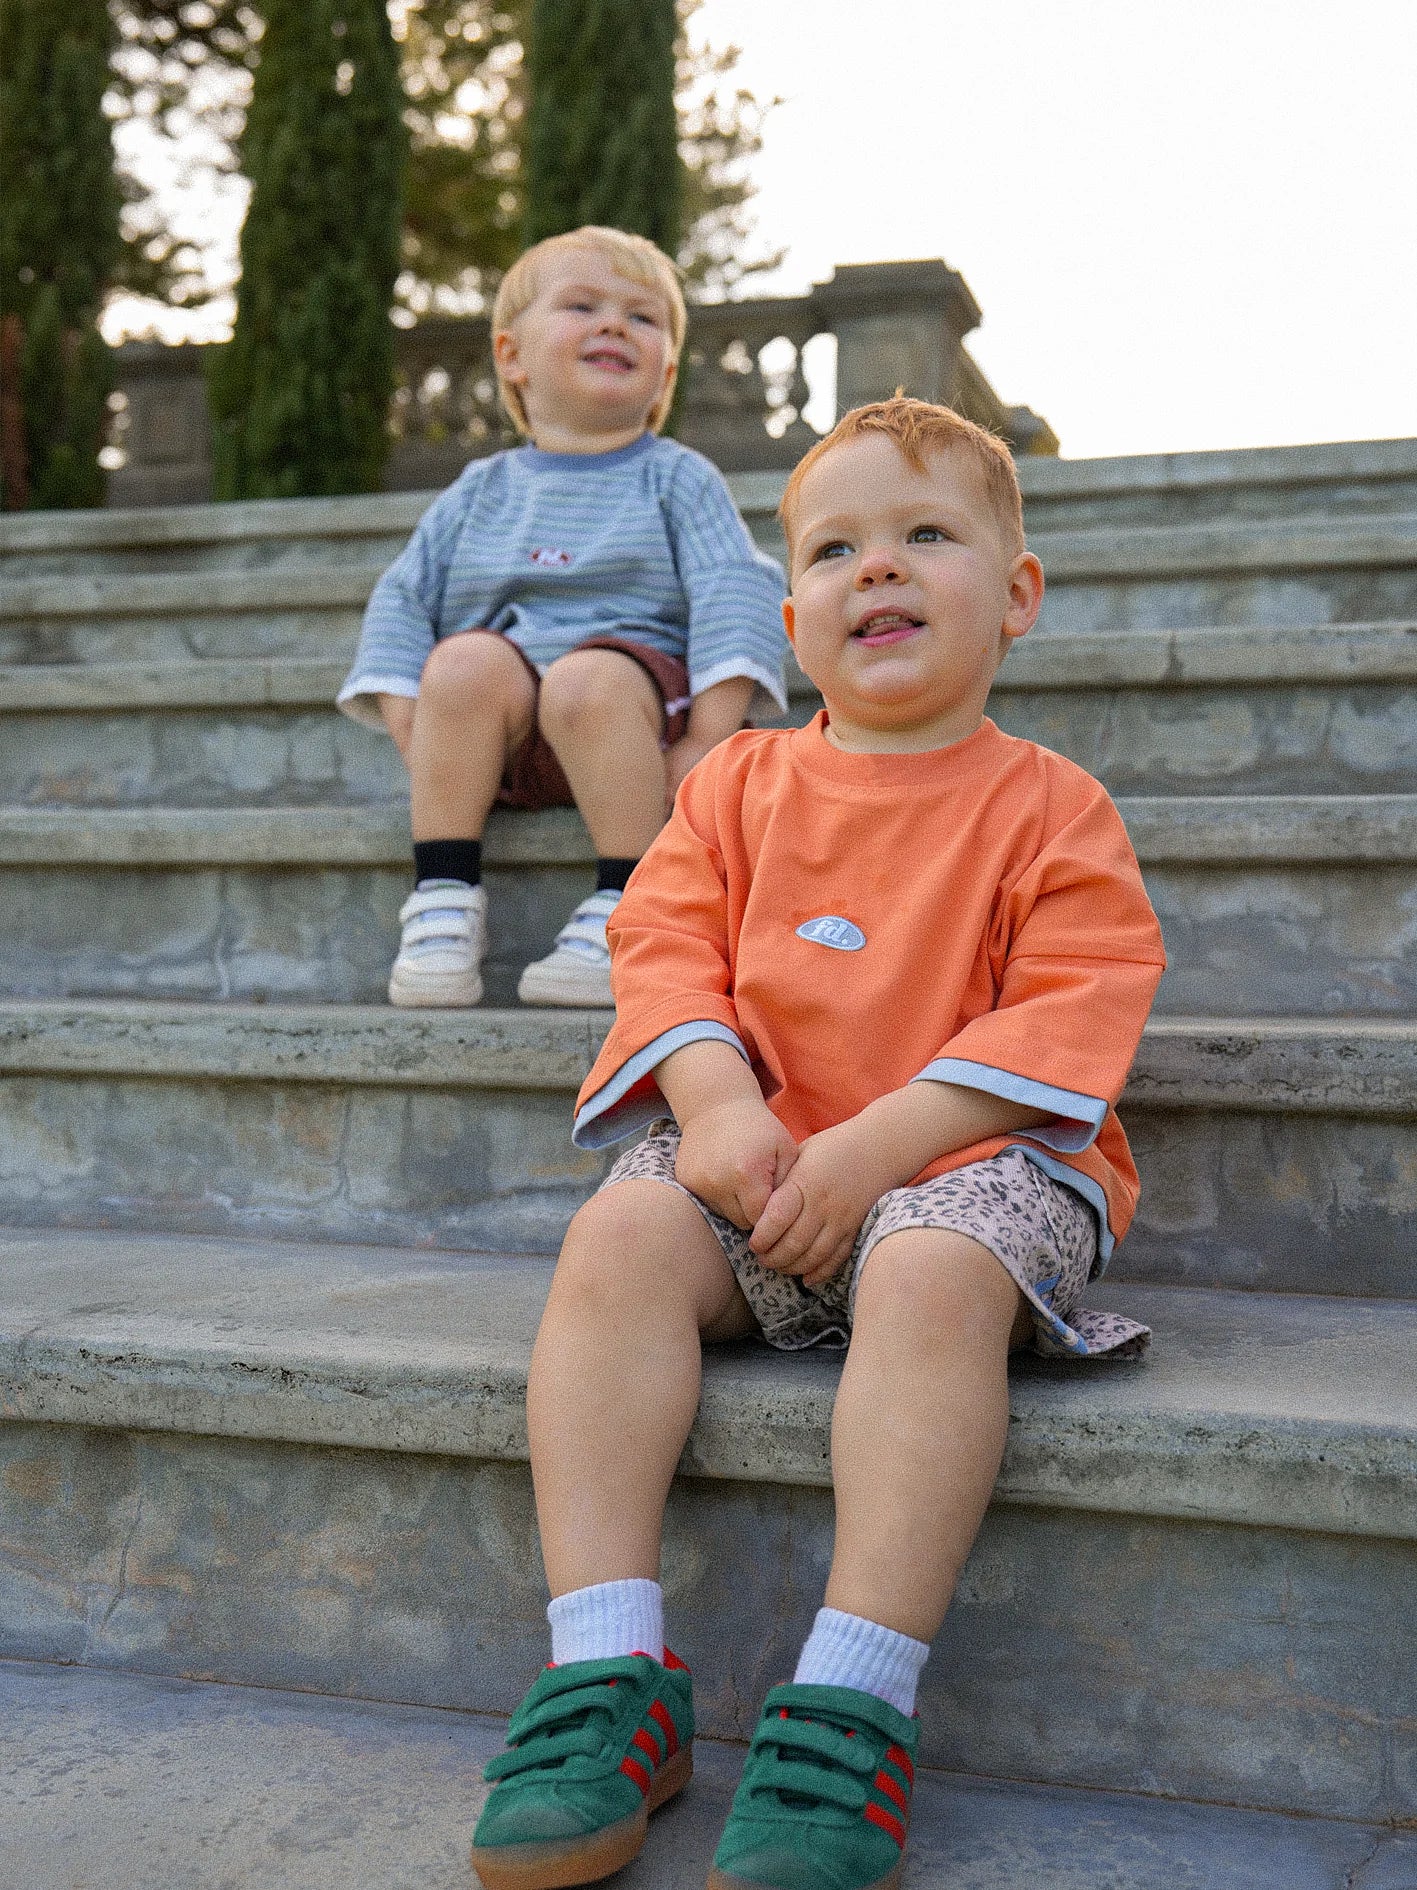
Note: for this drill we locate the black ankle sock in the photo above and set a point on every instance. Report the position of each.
(611, 875)
(448, 859)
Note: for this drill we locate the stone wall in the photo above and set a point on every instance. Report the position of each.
(899, 324)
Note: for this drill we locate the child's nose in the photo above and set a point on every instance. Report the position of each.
(879, 565)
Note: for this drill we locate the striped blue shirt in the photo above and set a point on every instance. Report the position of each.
(552, 548)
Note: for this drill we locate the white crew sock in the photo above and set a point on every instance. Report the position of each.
(607, 1620)
(843, 1650)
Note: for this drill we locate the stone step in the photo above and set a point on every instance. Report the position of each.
(1275, 1154)
(251, 1463)
(1270, 904)
(1341, 480)
(1327, 708)
(253, 534)
(200, 1786)
(1284, 572)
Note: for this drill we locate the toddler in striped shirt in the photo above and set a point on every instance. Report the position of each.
(575, 621)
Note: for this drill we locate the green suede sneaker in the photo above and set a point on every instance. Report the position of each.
(825, 1795)
(594, 1747)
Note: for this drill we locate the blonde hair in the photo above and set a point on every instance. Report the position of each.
(920, 428)
(634, 257)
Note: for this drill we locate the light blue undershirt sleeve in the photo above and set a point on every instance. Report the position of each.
(734, 591)
(400, 619)
(1080, 1116)
(605, 1118)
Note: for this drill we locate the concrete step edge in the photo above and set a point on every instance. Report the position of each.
(234, 522)
(1172, 829)
(1114, 553)
(178, 1781)
(1272, 1410)
(1281, 1066)
(1075, 661)
(342, 586)
(1323, 462)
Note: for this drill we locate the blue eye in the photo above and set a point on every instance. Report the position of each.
(837, 548)
(928, 535)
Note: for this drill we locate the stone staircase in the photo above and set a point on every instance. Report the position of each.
(276, 1252)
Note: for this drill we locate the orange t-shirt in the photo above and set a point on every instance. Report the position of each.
(974, 915)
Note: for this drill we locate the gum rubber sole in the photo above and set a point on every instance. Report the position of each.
(721, 1880)
(560, 1866)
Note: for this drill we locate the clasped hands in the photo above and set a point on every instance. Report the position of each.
(804, 1202)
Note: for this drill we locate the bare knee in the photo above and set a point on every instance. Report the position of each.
(931, 1286)
(475, 670)
(591, 691)
(642, 1251)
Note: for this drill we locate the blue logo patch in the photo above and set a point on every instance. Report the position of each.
(840, 934)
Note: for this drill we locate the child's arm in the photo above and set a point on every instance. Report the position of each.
(714, 715)
(810, 1224)
(734, 1151)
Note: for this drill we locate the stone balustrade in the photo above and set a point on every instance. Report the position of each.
(896, 324)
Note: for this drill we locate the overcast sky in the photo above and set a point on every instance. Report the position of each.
(1189, 223)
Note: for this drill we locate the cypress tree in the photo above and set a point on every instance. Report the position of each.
(59, 245)
(300, 396)
(602, 137)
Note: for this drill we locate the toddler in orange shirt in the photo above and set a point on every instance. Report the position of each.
(879, 983)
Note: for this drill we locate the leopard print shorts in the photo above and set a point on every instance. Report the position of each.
(1043, 1234)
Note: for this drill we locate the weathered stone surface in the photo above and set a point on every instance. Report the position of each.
(199, 1786)
(1252, 1666)
(1272, 1153)
(1288, 1412)
(1268, 905)
(1333, 481)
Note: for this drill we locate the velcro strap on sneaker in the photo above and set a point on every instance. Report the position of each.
(451, 898)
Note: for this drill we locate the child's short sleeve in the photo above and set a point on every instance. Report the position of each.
(401, 617)
(1077, 955)
(734, 591)
(670, 967)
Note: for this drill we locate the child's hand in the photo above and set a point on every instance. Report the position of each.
(809, 1225)
(733, 1156)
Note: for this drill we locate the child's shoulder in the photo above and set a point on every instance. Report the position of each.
(1047, 773)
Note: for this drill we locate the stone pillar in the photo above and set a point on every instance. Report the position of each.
(167, 438)
(897, 324)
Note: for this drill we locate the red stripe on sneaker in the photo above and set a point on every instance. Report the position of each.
(891, 1826)
(896, 1793)
(645, 1741)
(633, 1769)
(662, 1718)
(898, 1756)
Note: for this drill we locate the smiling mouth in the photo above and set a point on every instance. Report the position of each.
(609, 358)
(886, 627)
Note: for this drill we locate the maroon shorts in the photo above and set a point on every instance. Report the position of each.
(534, 777)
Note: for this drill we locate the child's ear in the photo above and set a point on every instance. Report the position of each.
(504, 353)
(789, 620)
(1025, 595)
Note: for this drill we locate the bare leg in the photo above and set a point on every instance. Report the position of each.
(602, 714)
(919, 1427)
(475, 706)
(615, 1377)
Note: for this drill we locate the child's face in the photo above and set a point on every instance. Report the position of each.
(591, 354)
(905, 595)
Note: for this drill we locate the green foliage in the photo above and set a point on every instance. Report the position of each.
(300, 397)
(181, 80)
(58, 247)
(602, 136)
(183, 74)
(462, 79)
